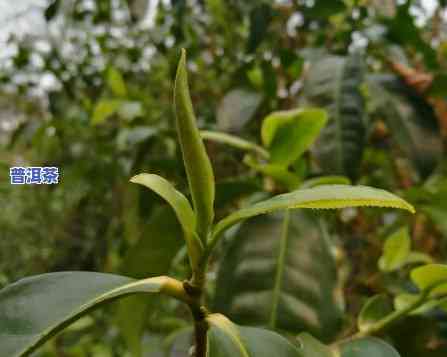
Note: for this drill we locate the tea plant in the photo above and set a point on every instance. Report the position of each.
(34, 309)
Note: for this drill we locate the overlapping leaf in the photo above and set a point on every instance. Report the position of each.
(34, 309)
(279, 272)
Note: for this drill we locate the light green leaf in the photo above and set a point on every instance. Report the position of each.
(279, 173)
(225, 339)
(320, 197)
(326, 180)
(288, 134)
(235, 142)
(364, 347)
(431, 276)
(105, 108)
(395, 250)
(418, 258)
(411, 121)
(197, 164)
(34, 309)
(116, 82)
(375, 309)
(402, 301)
(130, 110)
(181, 207)
(278, 271)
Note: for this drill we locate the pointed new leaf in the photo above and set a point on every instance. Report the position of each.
(34, 309)
(375, 308)
(288, 134)
(226, 339)
(197, 164)
(181, 207)
(431, 276)
(320, 197)
(395, 250)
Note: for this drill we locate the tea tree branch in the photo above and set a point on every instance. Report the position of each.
(392, 318)
(397, 315)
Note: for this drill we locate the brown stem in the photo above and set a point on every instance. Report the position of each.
(200, 331)
(199, 314)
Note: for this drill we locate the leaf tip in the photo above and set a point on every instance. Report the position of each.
(136, 178)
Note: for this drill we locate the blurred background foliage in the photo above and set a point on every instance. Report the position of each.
(87, 86)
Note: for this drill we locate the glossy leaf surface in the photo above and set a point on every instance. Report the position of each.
(320, 197)
(34, 309)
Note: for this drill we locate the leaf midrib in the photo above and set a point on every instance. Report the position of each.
(280, 268)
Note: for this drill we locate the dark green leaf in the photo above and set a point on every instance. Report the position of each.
(260, 18)
(367, 347)
(395, 250)
(279, 272)
(438, 87)
(34, 309)
(333, 83)
(104, 109)
(431, 276)
(181, 207)
(52, 9)
(150, 256)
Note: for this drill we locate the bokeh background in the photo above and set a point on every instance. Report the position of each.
(87, 86)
